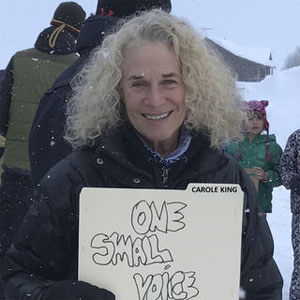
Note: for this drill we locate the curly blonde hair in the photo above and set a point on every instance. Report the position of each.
(212, 100)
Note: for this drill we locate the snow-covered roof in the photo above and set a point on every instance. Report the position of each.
(257, 54)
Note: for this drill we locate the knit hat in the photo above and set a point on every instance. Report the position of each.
(67, 16)
(259, 106)
(70, 13)
(124, 8)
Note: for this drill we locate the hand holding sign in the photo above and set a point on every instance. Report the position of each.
(68, 289)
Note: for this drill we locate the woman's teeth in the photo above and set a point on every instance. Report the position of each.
(156, 117)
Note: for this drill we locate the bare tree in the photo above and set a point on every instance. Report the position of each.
(293, 59)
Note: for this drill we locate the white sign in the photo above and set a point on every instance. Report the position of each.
(144, 244)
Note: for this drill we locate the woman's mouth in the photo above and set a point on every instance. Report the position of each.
(156, 117)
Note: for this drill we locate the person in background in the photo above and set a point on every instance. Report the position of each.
(150, 109)
(2, 147)
(290, 175)
(28, 75)
(259, 152)
(1, 75)
(47, 145)
(2, 139)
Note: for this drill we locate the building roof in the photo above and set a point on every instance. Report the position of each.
(256, 54)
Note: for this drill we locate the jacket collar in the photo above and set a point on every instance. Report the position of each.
(124, 147)
(65, 43)
(261, 138)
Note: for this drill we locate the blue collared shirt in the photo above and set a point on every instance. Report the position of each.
(184, 142)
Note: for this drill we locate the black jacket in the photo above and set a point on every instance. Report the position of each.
(46, 143)
(1, 75)
(1, 78)
(46, 247)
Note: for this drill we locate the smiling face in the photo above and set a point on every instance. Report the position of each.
(153, 92)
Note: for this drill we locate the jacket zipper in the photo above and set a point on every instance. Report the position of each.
(165, 175)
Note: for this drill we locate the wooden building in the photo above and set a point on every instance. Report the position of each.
(244, 69)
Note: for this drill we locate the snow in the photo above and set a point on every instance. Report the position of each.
(280, 224)
(282, 90)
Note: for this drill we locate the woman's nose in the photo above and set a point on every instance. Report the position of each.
(155, 96)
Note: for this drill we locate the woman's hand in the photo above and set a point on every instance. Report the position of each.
(260, 174)
(75, 290)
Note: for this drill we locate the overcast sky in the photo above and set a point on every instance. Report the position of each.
(270, 24)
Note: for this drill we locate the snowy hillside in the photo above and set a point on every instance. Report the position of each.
(283, 92)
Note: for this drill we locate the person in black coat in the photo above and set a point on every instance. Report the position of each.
(290, 176)
(151, 109)
(1, 78)
(46, 141)
(28, 75)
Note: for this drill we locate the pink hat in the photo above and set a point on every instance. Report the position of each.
(259, 106)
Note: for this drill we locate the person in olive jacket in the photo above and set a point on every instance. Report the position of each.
(28, 75)
(290, 175)
(149, 110)
(259, 152)
(47, 145)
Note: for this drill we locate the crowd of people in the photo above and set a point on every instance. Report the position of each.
(131, 97)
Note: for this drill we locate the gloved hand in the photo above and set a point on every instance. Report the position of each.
(295, 183)
(75, 290)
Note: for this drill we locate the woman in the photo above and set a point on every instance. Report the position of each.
(149, 111)
(259, 153)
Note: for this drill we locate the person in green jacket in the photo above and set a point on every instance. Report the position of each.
(259, 153)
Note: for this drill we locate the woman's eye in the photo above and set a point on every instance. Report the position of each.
(139, 84)
(169, 82)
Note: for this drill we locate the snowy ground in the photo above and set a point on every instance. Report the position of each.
(280, 221)
(282, 90)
